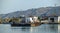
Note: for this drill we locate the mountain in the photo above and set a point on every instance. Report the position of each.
(43, 11)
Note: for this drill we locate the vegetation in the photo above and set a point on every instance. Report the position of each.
(8, 20)
(39, 19)
(16, 20)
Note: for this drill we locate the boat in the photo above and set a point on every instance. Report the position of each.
(21, 24)
(27, 24)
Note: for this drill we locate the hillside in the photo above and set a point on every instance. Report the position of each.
(34, 12)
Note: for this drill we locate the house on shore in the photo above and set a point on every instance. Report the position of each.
(32, 19)
(54, 19)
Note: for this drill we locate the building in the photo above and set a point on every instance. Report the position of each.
(54, 19)
(29, 20)
(32, 19)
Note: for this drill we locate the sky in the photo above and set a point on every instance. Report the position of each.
(8, 6)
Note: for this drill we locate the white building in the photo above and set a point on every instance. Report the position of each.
(31, 19)
(58, 19)
(54, 19)
(35, 18)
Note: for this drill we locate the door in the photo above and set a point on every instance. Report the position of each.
(52, 19)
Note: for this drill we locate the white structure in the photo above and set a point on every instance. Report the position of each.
(31, 19)
(54, 19)
(59, 19)
(35, 18)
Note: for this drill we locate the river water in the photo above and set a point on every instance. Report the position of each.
(44, 28)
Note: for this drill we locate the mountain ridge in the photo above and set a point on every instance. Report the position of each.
(33, 12)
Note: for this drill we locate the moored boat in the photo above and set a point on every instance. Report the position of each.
(21, 24)
(27, 24)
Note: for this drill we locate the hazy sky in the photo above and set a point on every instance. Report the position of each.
(7, 6)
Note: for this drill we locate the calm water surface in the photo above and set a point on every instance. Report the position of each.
(44, 28)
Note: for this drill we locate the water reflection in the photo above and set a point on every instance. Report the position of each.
(53, 27)
(59, 28)
(44, 28)
(25, 28)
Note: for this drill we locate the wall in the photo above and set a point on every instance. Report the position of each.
(59, 19)
(55, 19)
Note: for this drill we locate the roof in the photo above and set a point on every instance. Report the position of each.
(52, 16)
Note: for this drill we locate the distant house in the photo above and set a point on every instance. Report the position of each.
(29, 19)
(32, 19)
(54, 19)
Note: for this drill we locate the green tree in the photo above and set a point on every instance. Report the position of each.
(39, 19)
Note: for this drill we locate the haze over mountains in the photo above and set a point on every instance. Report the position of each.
(34, 12)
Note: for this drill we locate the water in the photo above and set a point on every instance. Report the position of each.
(44, 28)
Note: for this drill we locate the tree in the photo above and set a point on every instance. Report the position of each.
(39, 19)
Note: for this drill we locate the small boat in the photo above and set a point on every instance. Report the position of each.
(26, 24)
(21, 24)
